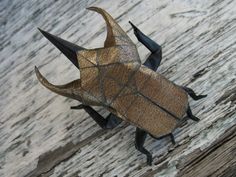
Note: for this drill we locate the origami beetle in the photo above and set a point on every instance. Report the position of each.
(114, 77)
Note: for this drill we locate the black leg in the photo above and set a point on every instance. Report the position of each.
(150, 44)
(140, 137)
(110, 122)
(154, 60)
(172, 139)
(192, 94)
(190, 115)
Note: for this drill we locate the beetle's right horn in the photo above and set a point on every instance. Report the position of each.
(69, 49)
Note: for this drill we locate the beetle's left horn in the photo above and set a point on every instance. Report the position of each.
(69, 49)
(64, 90)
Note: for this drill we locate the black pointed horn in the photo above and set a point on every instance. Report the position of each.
(67, 48)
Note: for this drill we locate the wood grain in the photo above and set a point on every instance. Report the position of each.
(41, 136)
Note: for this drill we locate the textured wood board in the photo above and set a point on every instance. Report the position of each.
(40, 135)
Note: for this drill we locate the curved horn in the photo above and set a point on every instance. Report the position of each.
(115, 34)
(64, 90)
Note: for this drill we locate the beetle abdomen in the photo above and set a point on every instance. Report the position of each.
(151, 102)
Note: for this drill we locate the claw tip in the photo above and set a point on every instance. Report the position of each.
(134, 27)
(40, 30)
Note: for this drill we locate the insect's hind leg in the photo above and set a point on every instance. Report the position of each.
(172, 138)
(192, 94)
(190, 114)
(111, 121)
(140, 137)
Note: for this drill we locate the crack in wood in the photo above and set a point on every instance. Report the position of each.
(48, 161)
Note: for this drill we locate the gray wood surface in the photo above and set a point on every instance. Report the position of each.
(41, 136)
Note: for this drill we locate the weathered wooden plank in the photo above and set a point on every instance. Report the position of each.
(40, 135)
(217, 160)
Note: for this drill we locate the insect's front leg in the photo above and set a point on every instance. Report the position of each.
(109, 122)
(146, 41)
(154, 59)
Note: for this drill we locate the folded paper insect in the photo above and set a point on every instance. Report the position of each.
(114, 77)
